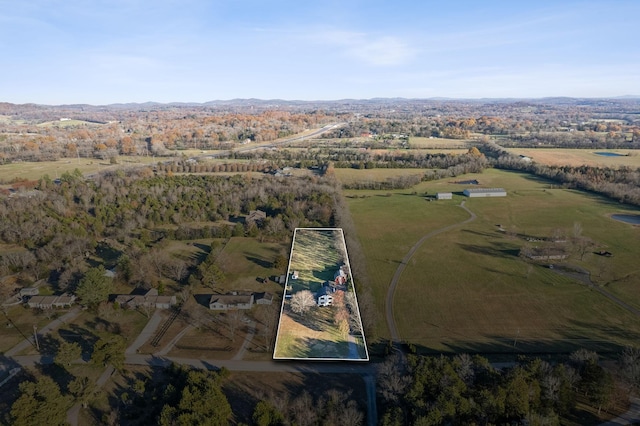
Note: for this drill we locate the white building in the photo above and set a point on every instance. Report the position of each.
(484, 192)
(444, 196)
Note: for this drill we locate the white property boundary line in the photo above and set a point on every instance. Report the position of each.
(355, 296)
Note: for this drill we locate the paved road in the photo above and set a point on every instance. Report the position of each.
(146, 333)
(266, 145)
(173, 341)
(391, 322)
(69, 316)
(247, 341)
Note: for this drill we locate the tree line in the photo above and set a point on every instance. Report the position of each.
(464, 389)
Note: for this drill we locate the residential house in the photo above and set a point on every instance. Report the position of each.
(225, 302)
(149, 299)
(324, 296)
(49, 302)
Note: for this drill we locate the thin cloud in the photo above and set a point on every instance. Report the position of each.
(367, 48)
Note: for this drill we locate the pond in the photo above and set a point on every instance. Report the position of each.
(609, 154)
(634, 219)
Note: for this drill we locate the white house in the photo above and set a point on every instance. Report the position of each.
(484, 192)
(444, 196)
(324, 296)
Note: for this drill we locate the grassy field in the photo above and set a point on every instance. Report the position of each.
(315, 256)
(439, 143)
(350, 176)
(579, 157)
(36, 170)
(245, 260)
(467, 289)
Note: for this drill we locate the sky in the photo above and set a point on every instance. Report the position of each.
(117, 51)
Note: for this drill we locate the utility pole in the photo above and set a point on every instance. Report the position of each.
(35, 335)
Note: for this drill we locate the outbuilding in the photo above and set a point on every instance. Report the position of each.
(444, 196)
(484, 192)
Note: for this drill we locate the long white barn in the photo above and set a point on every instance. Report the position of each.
(484, 192)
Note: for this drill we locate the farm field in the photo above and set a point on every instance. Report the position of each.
(351, 176)
(467, 290)
(35, 170)
(316, 333)
(579, 157)
(439, 143)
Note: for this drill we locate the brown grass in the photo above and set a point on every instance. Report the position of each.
(579, 157)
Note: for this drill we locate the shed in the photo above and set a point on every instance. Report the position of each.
(444, 196)
(484, 192)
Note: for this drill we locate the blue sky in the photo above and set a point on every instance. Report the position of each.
(108, 51)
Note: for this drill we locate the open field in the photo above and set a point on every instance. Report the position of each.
(351, 176)
(316, 254)
(36, 170)
(468, 291)
(579, 157)
(440, 143)
(244, 260)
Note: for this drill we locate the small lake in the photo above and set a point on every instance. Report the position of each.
(609, 154)
(634, 219)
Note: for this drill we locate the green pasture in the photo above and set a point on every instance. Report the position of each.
(350, 176)
(467, 289)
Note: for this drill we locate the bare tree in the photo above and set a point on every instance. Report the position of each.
(302, 301)
(392, 378)
(233, 321)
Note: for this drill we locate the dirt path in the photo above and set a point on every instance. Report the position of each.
(582, 275)
(391, 322)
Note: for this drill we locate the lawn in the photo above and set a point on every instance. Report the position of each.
(316, 255)
(246, 261)
(467, 289)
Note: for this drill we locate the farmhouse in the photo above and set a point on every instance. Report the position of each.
(484, 192)
(444, 196)
(49, 302)
(149, 299)
(324, 296)
(225, 302)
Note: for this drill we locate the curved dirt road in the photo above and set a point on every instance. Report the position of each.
(391, 322)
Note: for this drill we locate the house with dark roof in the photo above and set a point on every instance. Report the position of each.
(324, 296)
(149, 299)
(231, 301)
